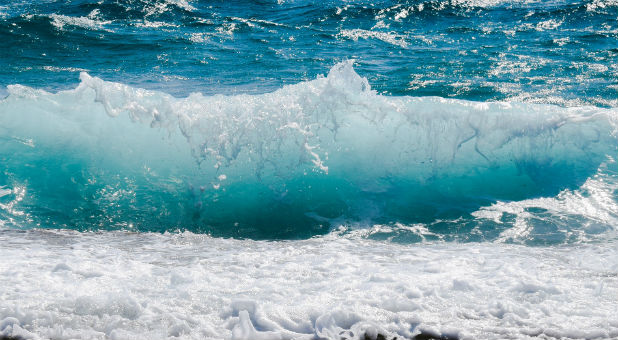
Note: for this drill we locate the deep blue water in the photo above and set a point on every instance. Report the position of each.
(286, 119)
(548, 51)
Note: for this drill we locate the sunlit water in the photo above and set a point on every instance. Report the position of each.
(300, 170)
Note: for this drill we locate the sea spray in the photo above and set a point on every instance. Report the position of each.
(290, 163)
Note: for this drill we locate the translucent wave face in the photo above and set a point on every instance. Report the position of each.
(286, 164)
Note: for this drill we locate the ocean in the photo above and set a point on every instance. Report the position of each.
(177, 169)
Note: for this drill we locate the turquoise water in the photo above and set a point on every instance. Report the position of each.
(421, 120)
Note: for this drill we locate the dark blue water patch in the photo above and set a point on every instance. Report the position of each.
(558, 52)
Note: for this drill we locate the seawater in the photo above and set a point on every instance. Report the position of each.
(308, 170)
(561, 52)
(297, 162)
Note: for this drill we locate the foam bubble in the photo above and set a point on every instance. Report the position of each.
(166, 286)
(391, 38)
(60, 21)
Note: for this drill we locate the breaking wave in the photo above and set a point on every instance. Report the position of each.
(288, 164)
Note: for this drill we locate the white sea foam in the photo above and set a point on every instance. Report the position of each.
(90, 22)
(69, 285)
(252, 22)
(594, 205)
(388, 37)
(602, 5)
(225, 126)
(154, 24)
(63, 69)
(160, 7)
(550, 24)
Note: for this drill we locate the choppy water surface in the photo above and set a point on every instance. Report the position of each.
(560, 52)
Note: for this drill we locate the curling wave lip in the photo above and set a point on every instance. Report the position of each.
(284, 164)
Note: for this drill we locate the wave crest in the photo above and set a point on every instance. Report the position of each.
(286, 163)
